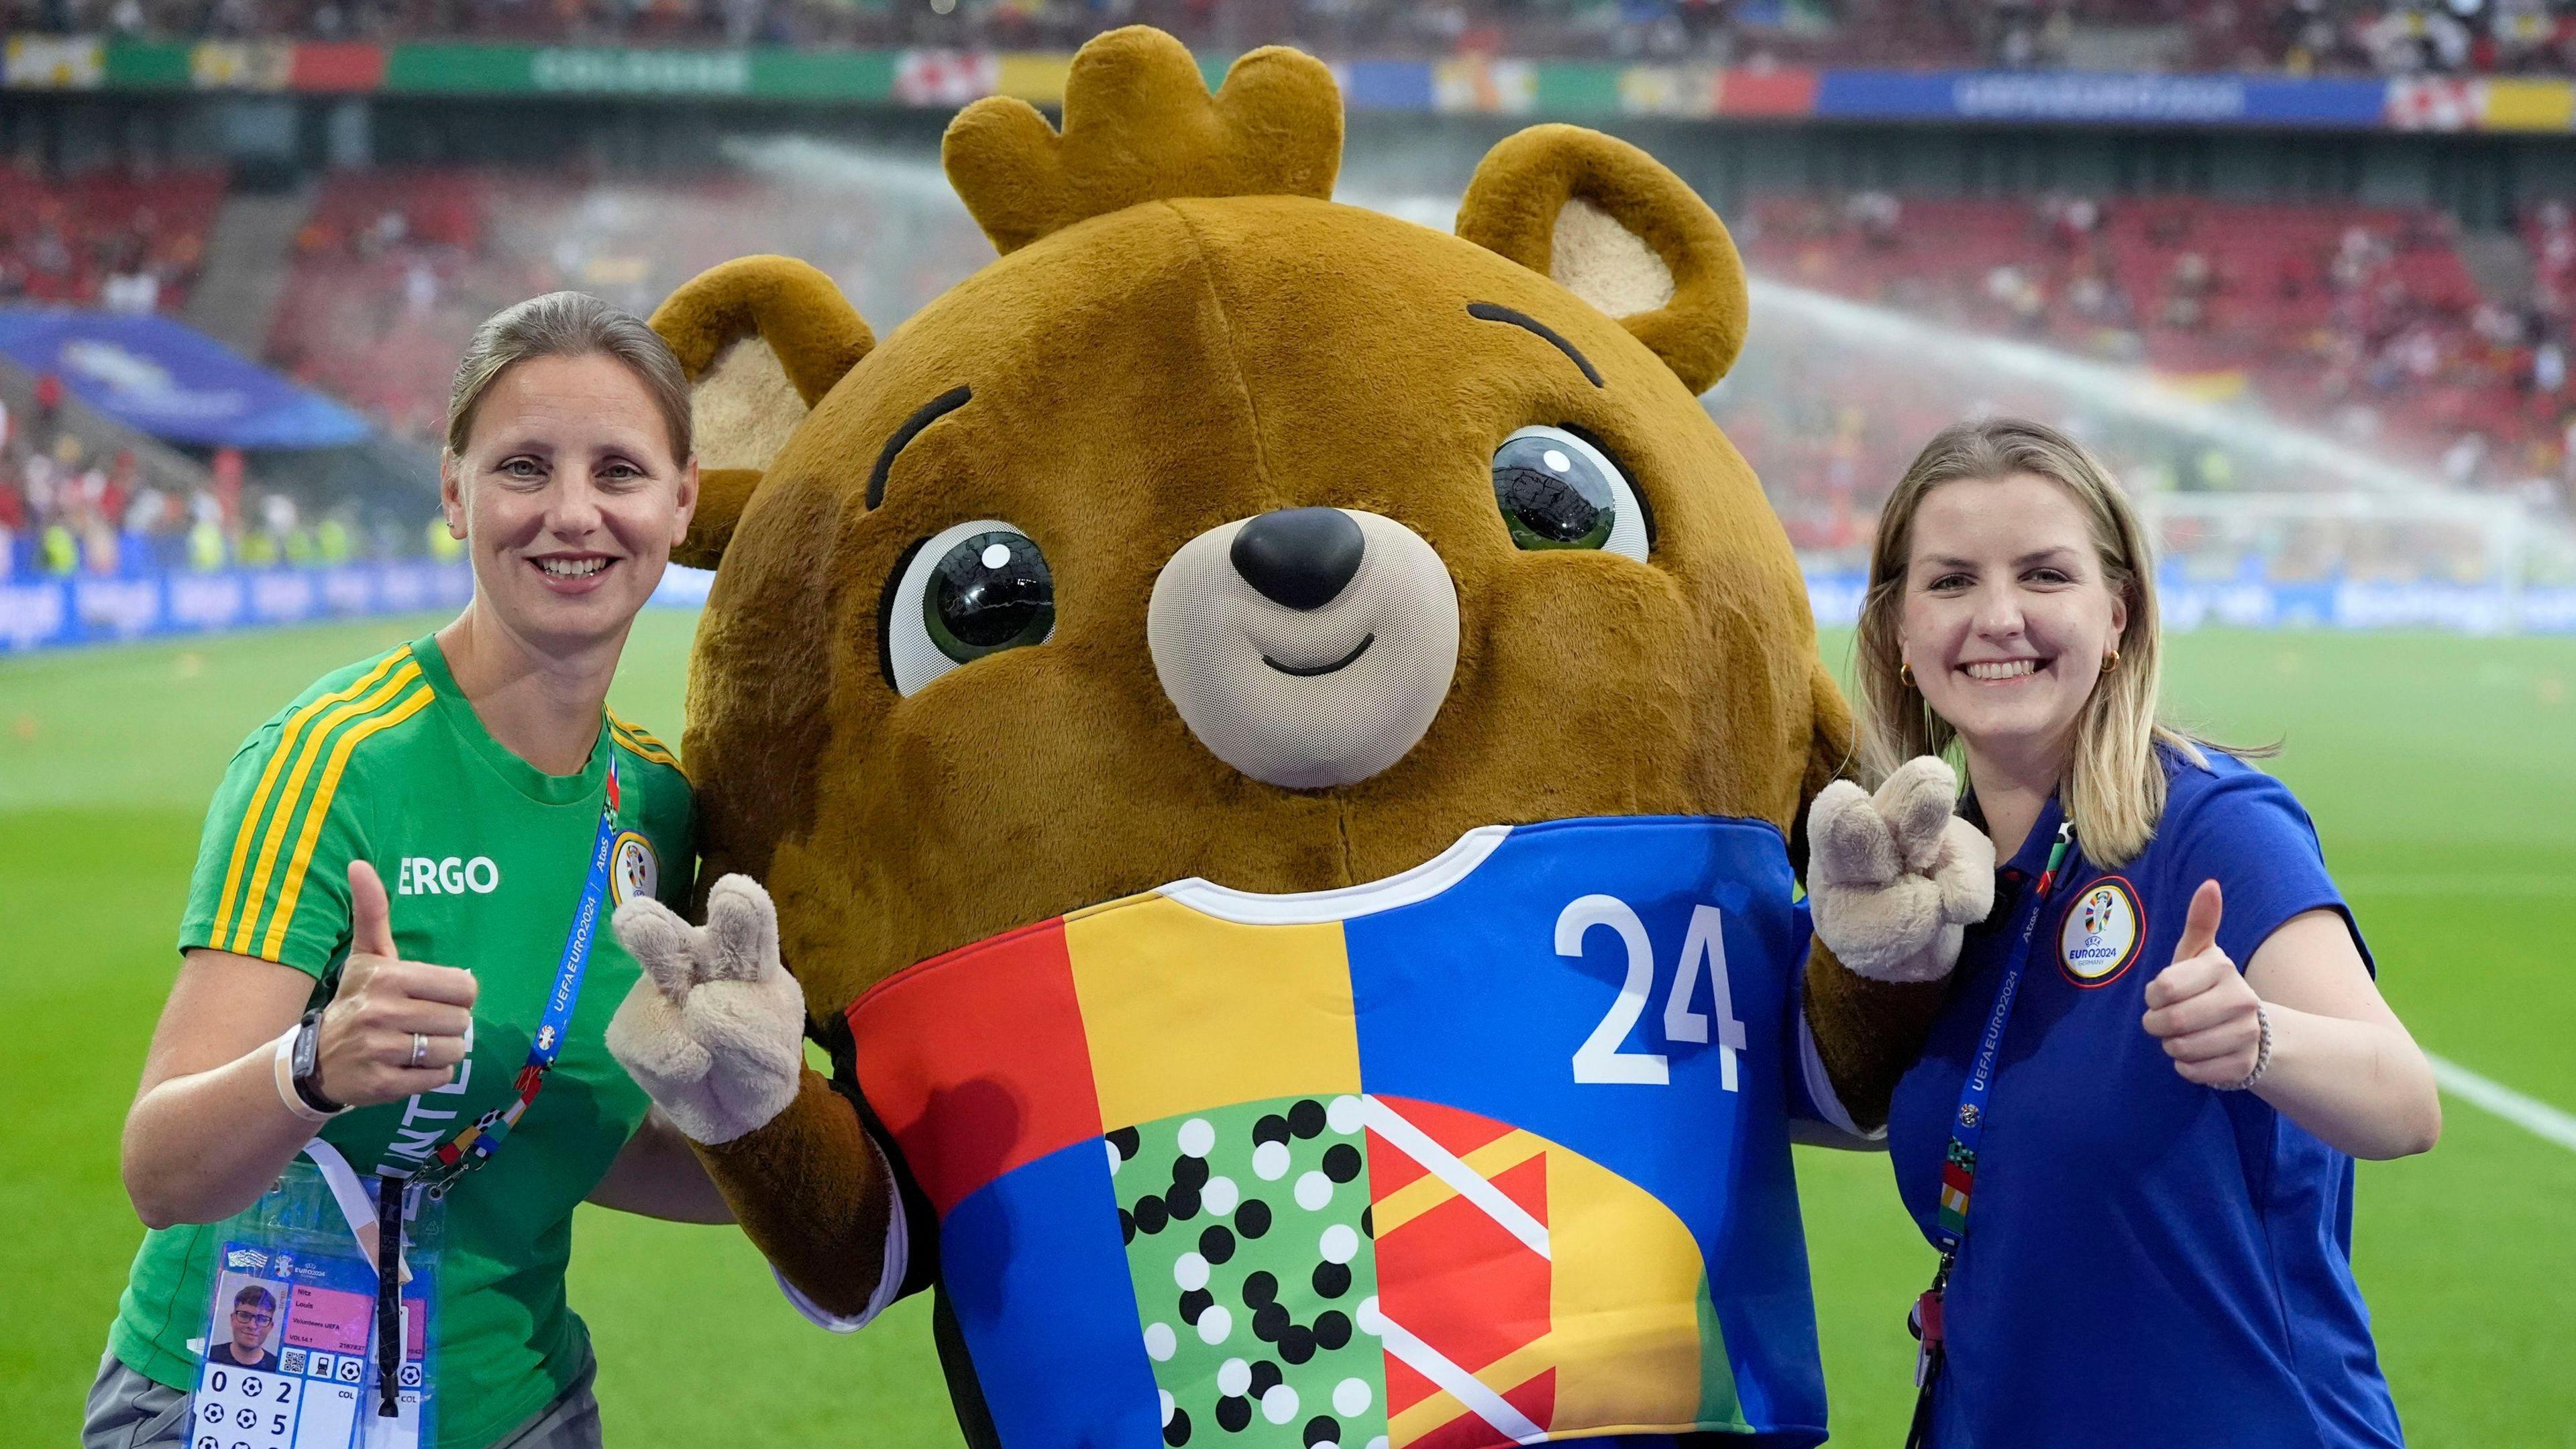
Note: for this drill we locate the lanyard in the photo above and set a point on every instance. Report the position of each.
(1967, 1129)
(475, 1145)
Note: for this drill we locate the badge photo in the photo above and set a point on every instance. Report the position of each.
(2100, 936)
(633, 871)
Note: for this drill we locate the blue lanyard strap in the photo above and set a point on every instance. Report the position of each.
(1959, 1165)
(476, 1144)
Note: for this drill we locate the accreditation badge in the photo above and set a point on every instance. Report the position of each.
(289, 1356)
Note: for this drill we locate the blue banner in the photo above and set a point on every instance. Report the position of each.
(1387, 85)
(2080, 97)
(173, 382)
(46, 612)
(2186, 604)
(52, 612)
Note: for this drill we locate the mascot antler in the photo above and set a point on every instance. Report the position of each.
(1139, 125)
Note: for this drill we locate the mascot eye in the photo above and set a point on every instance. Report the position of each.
(976, 589)
(1558, 491)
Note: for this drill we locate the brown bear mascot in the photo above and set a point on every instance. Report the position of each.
(1275, 734)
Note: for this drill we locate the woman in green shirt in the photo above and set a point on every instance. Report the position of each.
(439, 804)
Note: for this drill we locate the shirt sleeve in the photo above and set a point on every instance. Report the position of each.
(679, 877)
(272, 875)
(1817, 1115)
(904, 1270)
(2246, 831)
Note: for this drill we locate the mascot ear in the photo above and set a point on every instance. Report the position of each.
(1610, 224)
(761, 339)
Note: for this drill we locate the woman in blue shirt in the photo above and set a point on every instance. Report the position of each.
(2133, 1126)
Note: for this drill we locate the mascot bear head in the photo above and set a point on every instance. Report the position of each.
(1220, 530)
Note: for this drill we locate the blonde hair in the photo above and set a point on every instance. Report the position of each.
(567, 324)
(2114, 783)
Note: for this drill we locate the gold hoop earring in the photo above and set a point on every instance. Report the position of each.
(1905, 673)
(2110, 661)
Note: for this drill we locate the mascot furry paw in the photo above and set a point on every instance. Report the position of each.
(1895, 878)
(1275, 734)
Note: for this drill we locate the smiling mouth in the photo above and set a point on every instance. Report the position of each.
(571, 568)
(1309, 671)
(1997, 670)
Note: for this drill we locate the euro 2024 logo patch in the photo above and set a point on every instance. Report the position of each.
(632, 869)
(2100, 936)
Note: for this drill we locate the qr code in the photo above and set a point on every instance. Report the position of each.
(291, 1360)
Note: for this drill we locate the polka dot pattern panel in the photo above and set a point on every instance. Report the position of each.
(1247, 1231)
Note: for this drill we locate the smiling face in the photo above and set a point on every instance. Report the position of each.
(1103, 573)
(2008, 614)
(570, 497)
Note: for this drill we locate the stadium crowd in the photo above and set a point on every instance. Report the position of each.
(125, 242)
(397, 266)
(65, 511)
(2362, 322)
(2397, 37)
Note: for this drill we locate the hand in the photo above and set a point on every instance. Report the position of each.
(366, 1040)
(715, 1030)
(1894, 879)
(2201, 1008)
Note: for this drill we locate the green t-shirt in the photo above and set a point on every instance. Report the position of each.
(483, 859)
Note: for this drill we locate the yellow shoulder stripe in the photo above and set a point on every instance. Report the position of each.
(286, 802)
(413, 704)
(642, 742)
(268, 779)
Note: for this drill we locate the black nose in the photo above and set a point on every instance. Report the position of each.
(1301, 558)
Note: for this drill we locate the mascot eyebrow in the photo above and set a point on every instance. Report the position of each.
(1494, 312)
(928, 413)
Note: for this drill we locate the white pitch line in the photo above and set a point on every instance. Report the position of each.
(2528, 1113)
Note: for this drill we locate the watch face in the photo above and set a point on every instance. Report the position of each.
(308, 1046)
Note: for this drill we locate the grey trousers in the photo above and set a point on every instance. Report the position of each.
(128, 1411)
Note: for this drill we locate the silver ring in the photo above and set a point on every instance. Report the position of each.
(419, 1049)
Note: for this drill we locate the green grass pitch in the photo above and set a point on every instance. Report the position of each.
(2441, 771)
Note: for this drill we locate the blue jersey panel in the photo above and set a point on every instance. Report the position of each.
(1037, 1275)
(1541, 991)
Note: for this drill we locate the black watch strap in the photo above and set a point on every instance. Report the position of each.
(307, 1063)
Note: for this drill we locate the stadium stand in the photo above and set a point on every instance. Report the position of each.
(2361, 320)
(123, 241)
(396, 266)
(2299, 37)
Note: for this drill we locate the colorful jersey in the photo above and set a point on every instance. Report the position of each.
(2131, 1231)
(483, 859)
(1491, 1152)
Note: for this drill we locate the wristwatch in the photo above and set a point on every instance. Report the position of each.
(304, 1063)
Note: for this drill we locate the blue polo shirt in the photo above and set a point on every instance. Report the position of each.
(2147, 1262)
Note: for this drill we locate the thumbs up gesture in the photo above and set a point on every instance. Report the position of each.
(2200, 1006)
(396, 1027)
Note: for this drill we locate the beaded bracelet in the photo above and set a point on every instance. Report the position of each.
(2262, 1051)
